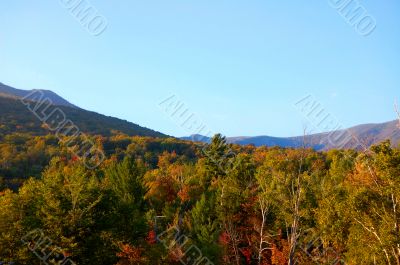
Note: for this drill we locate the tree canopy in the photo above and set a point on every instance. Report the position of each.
(167, 201)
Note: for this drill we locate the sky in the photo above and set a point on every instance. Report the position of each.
(239, 66)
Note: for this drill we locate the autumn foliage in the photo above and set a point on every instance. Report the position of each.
(167, 201)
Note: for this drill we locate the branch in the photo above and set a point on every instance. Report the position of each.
(373, 232)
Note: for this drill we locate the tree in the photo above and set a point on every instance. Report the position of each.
(374, 201)
(219, 157)
(126, 191)
(205, 226)
(264, 206)
(285, 178)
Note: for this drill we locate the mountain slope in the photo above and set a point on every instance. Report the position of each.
(16, 117)
(10, 92)
(357, 137)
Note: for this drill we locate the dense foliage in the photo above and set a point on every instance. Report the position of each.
(165, 201)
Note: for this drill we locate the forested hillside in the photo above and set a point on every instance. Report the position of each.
(166, 201)
(17, 118)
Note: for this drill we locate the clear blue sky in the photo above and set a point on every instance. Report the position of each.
(239, 65)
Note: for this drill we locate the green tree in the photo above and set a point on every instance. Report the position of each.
(205, 226)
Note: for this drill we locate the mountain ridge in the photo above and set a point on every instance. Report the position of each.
(356, 137)
(8, 91)
(16, 117)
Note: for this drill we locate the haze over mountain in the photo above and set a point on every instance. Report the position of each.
(16, 117)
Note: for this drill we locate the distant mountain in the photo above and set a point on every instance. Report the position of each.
(363, 135)
(256, 140)
(267, 141)
(358, 137)
(10, 92)
(197, 138)
(16, 117)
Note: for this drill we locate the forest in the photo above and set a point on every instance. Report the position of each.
(168, 201)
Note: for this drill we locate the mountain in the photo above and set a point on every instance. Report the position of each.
(197, 138)
(16, 117)
(10, 92)
(267, 141)
(358, 137)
